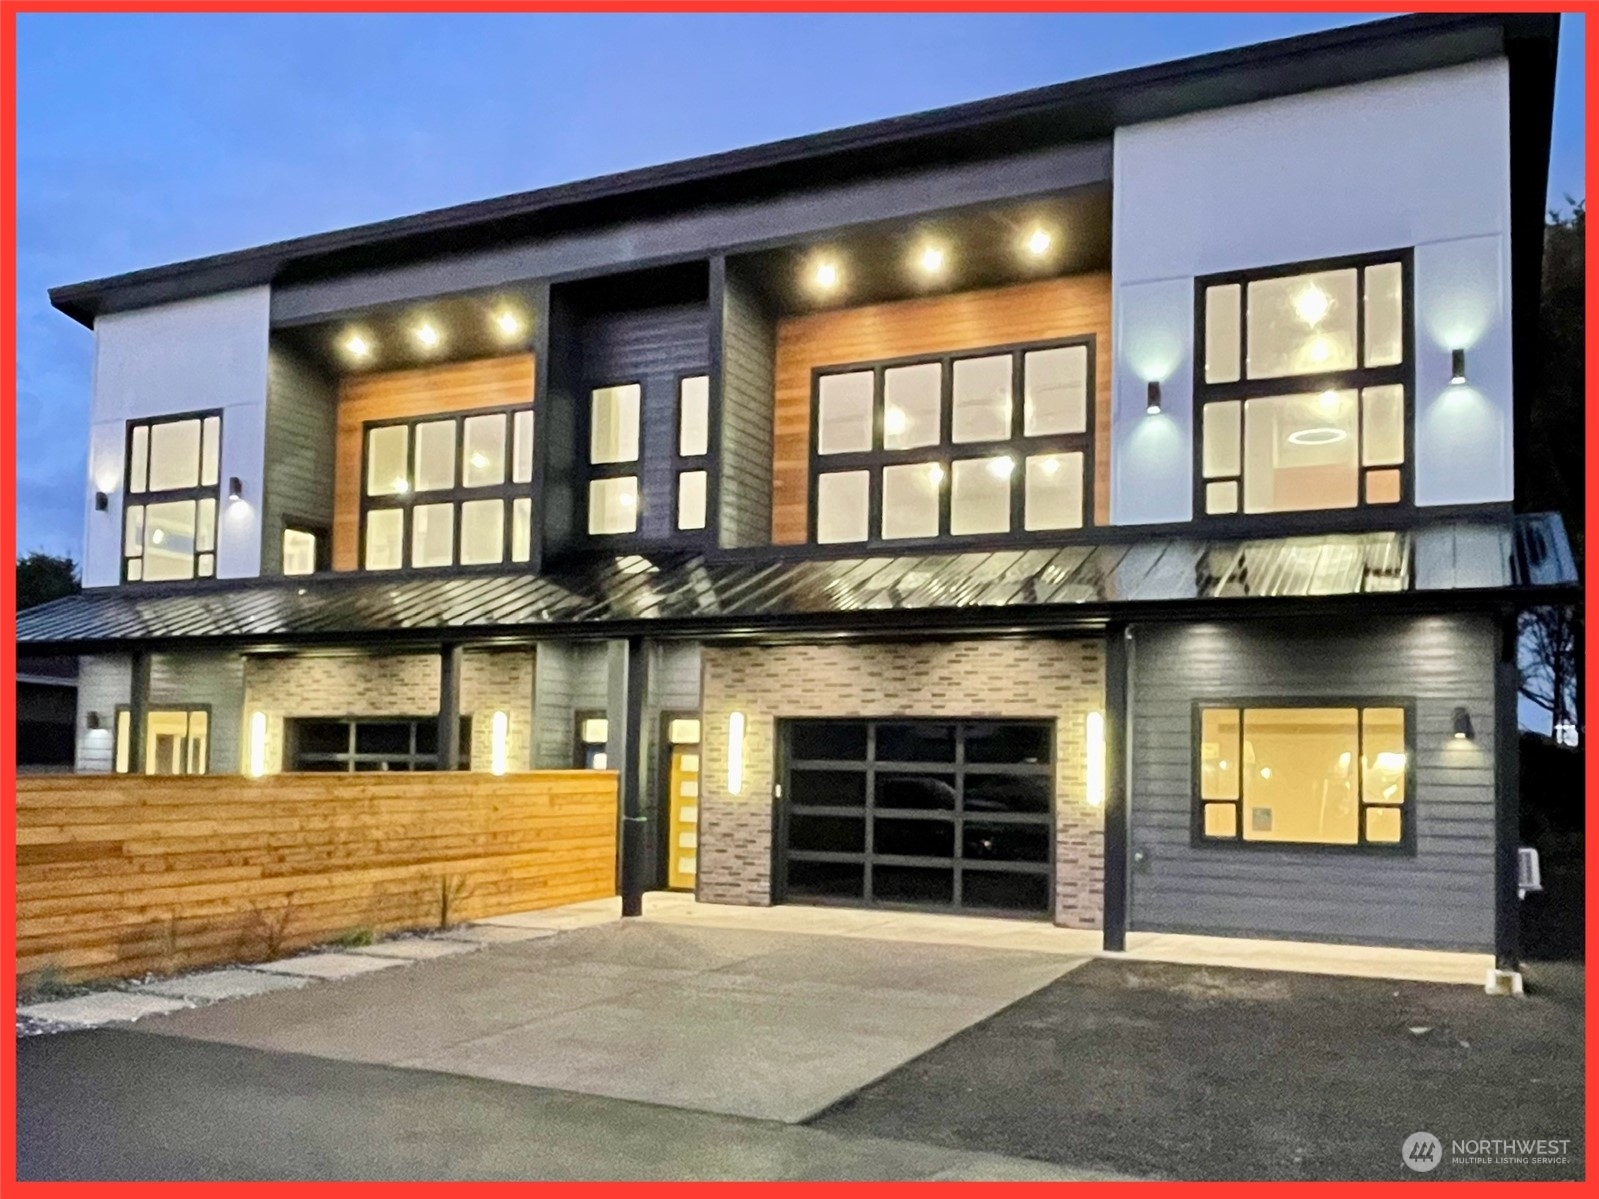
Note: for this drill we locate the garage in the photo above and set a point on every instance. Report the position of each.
(949, 815)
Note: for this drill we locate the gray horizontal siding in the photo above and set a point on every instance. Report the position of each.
(214, 680)
(1441, 897)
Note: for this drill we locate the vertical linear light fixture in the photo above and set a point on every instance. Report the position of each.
(258, 739)
(499, 733)
(1094, 727)
(735, 754)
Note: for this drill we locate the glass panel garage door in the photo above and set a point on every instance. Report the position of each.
(952, 815)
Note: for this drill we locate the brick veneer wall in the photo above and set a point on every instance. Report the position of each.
(395, 685)
(1063, 680)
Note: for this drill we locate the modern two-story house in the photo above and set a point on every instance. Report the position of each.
(1094, 504)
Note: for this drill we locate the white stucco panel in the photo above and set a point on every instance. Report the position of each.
(192, 356)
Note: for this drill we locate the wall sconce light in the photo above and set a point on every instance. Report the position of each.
(1462, 725)
(499, 735)
(735, 754)
(101, 501)
(1094, 727)
(235, 488)
(258, 739)
(93, 722)
(1153, 407)
(1457, 366)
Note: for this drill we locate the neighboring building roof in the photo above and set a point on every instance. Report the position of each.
(1076, 587)
(1067, 112)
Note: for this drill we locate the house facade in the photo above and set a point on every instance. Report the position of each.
(1095, 504)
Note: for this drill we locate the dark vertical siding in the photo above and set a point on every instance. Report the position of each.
(748, 351)
(1442, 897)
(557, 375)
(300, 437)
(652, 347)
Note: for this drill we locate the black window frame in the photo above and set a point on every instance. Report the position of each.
(688, 463)
(580, 747)
(592, 472)
(507, 492)
(956, 863)
(1404, 847)
(323, 561)
(1018, 446)
(143, 499)
(351, 756)
(1356, 379)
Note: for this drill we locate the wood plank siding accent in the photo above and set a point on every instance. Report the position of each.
(1051, 308)
(390, 395)
(121, 875)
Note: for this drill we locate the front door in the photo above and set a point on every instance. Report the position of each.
(682, 815)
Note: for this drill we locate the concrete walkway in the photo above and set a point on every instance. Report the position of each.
(1297, 957)
(766, 1024)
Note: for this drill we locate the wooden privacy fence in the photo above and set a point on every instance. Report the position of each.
(124, 874)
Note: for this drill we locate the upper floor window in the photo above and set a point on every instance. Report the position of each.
(693, 448)
(1303, 391)
(451, 490)
(988, 442)
(170, 518)
(613, 497)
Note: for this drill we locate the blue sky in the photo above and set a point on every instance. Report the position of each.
(144, 139)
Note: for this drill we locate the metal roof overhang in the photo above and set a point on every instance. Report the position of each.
(1479, 564)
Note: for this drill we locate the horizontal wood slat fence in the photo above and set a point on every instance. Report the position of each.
(120, 875)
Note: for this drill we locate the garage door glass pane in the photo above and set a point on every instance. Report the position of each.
(1008, 743)
(1019, 793)
(916, 742)
(914, 838)
(826, 880)
(1009, 892)
(928, 792)
(824, 739)
(913, 884)
(1004, 842)
(828, 788)
(827, 834)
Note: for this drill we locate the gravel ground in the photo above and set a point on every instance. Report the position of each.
(1194, 1073)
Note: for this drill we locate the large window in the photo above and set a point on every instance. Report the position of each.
(613, 497)
(377, 744)
(1303, 388)
(449, 490)
(990, 442)
(170, 519)
(176, 740)
(1284, 773)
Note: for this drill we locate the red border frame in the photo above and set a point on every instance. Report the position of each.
(9, 9)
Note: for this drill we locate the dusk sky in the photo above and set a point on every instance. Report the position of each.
(147, 139)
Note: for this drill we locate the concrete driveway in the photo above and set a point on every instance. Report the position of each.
(775, 1026)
